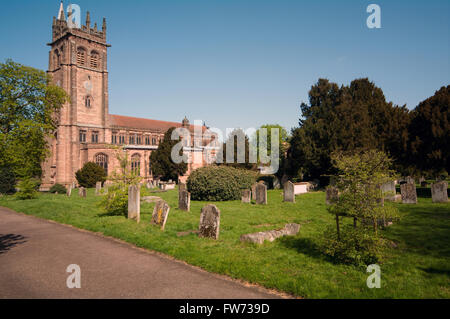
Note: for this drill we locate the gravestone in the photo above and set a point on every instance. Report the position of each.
(439, 192)
(388, 189)
(134, 203)
(276, 183)
(272, 235)
(182, 187)
(254, 191)
(160, 214)
(409, 194)
(184, 200)
(74, 185)
(246, 196)
(82, 192)
(69, 191)
(261, 194)
(209, 222)
(98, 188)
(332, 194)
(289, 192)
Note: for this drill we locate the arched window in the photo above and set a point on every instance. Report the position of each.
(94, 60)
(102, 160)
(136, 164)
(88, 102)
(81, 56)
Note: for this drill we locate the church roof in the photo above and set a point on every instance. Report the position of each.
(143, 124)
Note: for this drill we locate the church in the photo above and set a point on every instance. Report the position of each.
(86, 130)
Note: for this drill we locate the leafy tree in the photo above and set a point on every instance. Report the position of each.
(161, 159)
(234, 137)
(282, 142)
(347, 118)
(90, 174)
(7, 181)
(29, 106)
(359, 180)
(27, 189)
(430, 133)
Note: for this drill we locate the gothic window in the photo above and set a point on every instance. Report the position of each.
(94, 60)
(88, 102)
(102, 160)
(154, 141)
(94, 137)
(147, 140)
(136, 164)
(114, 138)
(138, 140)
(121, 139)
(82, 136)
(132, 140)
(81, 56)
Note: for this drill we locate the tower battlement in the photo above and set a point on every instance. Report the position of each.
(62, 27)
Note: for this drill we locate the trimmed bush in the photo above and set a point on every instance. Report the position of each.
(7, 181)
(90, 174)
(219, 183)
(58, 188)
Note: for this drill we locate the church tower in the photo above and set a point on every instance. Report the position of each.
(78, 64)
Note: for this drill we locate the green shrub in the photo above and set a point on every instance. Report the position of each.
(7, 181)
(115, 202)
(58, 188)
(90, 174)
(356, 246)
(27, 189)
(219, 183)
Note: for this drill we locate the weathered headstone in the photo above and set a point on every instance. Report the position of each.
(439, 192)
(134, 203)
(289, 192)
(332, 194)
(74, 185)
(82, 192)
(388, 189)
(209, 222)
(69, 191)
(409, 194)
(246, 196)
(184, 200)
(160, 214)
(254, 191)
(261, 194)
(98, 188)
(182, 187)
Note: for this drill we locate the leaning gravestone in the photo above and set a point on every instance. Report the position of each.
(261, 194)
(332, 194)
(246, 196)
(134, 203)
(254, 191)
(98, 188)
(209, 222)
(82, 192)
(439, 192)
(160, 214)
(289, 192)
(409, 194)
(184, 200)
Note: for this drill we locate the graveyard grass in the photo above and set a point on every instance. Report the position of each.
(418, 268)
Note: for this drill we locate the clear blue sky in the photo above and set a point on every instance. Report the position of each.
(245, 63)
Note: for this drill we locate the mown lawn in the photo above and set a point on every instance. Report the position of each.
(418, 268)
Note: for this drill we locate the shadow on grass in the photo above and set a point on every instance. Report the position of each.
(7, 242)
(435, 271)
(424, 229)
(302, 245)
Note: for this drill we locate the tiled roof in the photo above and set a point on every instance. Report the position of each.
(143, 124)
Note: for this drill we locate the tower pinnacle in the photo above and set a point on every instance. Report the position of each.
(61, 15)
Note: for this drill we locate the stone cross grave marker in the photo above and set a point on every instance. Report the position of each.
(209, 222)
(134, 203)
(160, 214)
